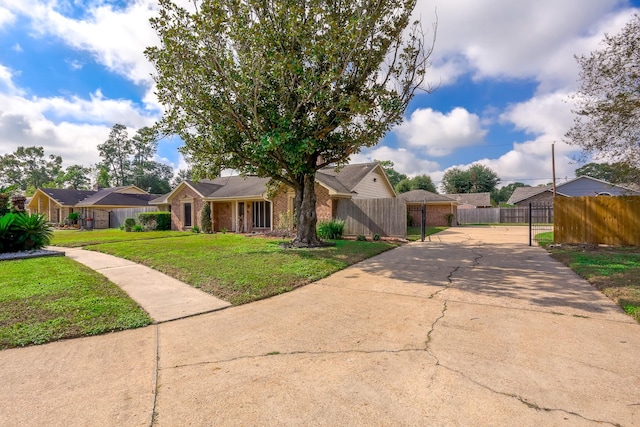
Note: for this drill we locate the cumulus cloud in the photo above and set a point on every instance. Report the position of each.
(404, 160)
(440, 134)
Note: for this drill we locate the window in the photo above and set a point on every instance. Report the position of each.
(187, 215)
(262, 214)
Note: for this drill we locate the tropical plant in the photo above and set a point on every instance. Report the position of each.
(7, 233)
(33, 231)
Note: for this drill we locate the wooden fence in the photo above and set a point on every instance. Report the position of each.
(598, 220)
(386, 217)
(117, 216)
(504, 215)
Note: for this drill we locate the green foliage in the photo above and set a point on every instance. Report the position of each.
(73, 217)
(129, 223)
(137, 228)
(21, 231)
(155, 220)
(376, 237)
(5, 196)
(477, 179)
(205, 219)
(361, 238)
(394, 176)
(615, 173)
(607, 102)
(331, 229)
(419, 182)
(195, 229)
(500, 196)
(281, 89)
(29, 167)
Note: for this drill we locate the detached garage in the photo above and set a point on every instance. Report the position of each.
(441, 210)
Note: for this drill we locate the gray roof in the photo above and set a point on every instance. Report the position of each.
(473, 199)
(346, 178)
(67, 197)
(420, 196)
(226, 187)
(523, 193)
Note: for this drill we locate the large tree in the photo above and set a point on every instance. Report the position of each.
(477, 178)
(608, 99)
(28, 168)
(116, 152)
(419, 182)
(394, 176)
(615, 173)
(281, 88)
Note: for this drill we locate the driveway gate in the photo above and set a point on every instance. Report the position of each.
(540, 220)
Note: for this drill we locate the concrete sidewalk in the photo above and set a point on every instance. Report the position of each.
(162, 296)
(472, 328)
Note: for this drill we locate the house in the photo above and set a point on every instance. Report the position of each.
(56, 204)
(471, 200)
(580, 186)
(244, 204)
(439, 208)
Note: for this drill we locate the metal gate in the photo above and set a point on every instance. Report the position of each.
(540, 220)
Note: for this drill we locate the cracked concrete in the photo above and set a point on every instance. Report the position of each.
(472, 328)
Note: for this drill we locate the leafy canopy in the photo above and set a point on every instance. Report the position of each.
(608, 99)
(282, 88)
(477, 178)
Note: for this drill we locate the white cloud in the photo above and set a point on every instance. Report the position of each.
(549, 115)
(404, 161)
(440, 134)
(6, 82)
(6, 17)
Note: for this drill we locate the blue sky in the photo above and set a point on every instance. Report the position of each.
(70, 70)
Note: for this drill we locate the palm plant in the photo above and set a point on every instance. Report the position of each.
(8, 233)
(33, 231)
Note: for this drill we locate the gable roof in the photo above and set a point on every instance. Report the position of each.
(346, 178)
(66, 197)
(115, 196)
(524, 193)
(473, 199)
(421, 196)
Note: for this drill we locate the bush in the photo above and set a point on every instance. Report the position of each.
(129, 223)
(361, 238)
(160, 221)
(331, 229)
(195, 229)
(138, 228)
(73, 217)
(449, 217)
(205, 219)
(376, 237)
(21, 231)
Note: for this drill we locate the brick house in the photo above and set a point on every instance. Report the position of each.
(438, 208)
(56, 204)
(244, 204)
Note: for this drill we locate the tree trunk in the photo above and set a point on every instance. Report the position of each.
(305, 208)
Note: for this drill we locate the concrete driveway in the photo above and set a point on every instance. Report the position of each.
(471, 328)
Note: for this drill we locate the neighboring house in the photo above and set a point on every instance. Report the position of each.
(57, 203)
(438, 207)
(242, 204)
(580, 186)
(471, 200)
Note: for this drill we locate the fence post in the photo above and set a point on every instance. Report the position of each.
(530, 223)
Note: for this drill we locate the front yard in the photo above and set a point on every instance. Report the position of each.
(615, 271)
(241, 269)
(48, 299)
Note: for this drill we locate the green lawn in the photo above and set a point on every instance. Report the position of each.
(47, 299)
(242, 269)
(613, 270)
(415, 233)
(77, 238)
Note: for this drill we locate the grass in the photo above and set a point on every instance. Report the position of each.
(67, 301)
(415, 233)
(613, 270)
(242, 269)
(77, 238)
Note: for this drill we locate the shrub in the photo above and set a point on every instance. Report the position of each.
(361, 238)
(160, 220)
(449, 217)
(73, 217)
(195, 229)
(331, 229)
(205, 219)
(129, 223)
(21, 231)
(376, 237)
(138, 228)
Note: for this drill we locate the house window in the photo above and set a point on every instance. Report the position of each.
(262, 214)
(187, 215)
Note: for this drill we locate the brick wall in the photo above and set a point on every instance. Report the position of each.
(436, 215)
(177, 211)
